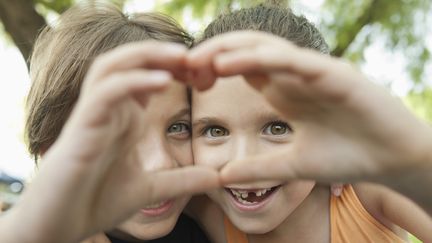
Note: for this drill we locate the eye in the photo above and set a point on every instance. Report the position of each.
(215, 131)
(277, 128)
(179, 130)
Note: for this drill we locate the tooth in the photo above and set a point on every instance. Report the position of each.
(155, 205)
(245, 202)
(258, 193)
(244, 194)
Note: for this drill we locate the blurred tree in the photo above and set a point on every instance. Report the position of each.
(23, 19)
(349, 26)
(421, 103)
(22, 22)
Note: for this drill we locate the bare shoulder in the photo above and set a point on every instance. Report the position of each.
(209, 216)
(372, 197)
(394, 210)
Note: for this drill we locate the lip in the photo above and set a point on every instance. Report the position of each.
(165, 207)
(255, 207)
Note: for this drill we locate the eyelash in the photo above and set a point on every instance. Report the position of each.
(280, 123)
(185, 128)
(207, 129)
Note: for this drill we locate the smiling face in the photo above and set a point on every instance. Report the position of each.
(232, 121)
(167, 145)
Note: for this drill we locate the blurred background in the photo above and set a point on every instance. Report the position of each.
(390, 41)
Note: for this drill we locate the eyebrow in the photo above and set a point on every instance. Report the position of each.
(181, 113)
(262, 116)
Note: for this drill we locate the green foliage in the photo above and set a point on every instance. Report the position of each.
(350, 26)
(421, 103)
(206, 8)
(58, 6)
(4, 36)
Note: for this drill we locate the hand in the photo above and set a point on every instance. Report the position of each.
(345, 128)
(89, 181)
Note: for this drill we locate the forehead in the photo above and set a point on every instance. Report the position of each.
(229, 96)
(169, 101)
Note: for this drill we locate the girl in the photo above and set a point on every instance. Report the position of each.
(232, 121)
(60, 61)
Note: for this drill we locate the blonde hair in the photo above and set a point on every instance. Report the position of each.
(62, 55)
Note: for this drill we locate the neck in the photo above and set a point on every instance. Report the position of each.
(310, 222)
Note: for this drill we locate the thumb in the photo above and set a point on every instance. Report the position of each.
(279, 165)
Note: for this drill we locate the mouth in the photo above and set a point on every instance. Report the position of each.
(157, 209)
(251, 199)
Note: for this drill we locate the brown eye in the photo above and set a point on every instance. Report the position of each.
(216, 131)
(277, 128)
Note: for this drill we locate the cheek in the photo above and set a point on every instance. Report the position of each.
(182, 152)
(296, 192)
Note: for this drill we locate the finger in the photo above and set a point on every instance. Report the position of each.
(120, 85)
(336, 189)
(274, 166)
(268, 58)
(176, 182)
(203, 54)
(203, 79)
(149, 54)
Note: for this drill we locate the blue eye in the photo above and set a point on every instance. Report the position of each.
(179, 129)
(277, 128)
(215, 131)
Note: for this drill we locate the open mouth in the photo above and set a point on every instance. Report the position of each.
(157, 208)
(251, 199)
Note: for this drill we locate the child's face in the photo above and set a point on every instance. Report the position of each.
(232, 121)
(167, 144)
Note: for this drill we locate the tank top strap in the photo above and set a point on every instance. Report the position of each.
(233, 234)
(351, 222)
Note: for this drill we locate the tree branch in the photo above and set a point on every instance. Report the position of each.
(22, 22)
(349, 34)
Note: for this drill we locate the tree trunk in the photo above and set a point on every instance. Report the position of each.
(22, 22)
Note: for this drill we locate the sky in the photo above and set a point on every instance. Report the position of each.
(380, 66)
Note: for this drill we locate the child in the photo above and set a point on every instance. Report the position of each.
(59, 64)
(232, 121)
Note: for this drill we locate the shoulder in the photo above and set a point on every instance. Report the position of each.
(384, 205)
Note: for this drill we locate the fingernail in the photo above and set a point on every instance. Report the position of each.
(159, 76)
(176, 48)
(337, 192)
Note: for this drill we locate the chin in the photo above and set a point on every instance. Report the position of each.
(141, 226)
(256, 227)
(151, 231)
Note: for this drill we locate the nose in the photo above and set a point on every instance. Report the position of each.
(154, 154)
(243, 147)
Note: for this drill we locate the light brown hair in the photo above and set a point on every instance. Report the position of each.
(63, 52)
(271, 18)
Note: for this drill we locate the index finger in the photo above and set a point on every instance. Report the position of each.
(148, 54)
(203, 54)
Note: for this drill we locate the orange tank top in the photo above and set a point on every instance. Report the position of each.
(349, 222)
